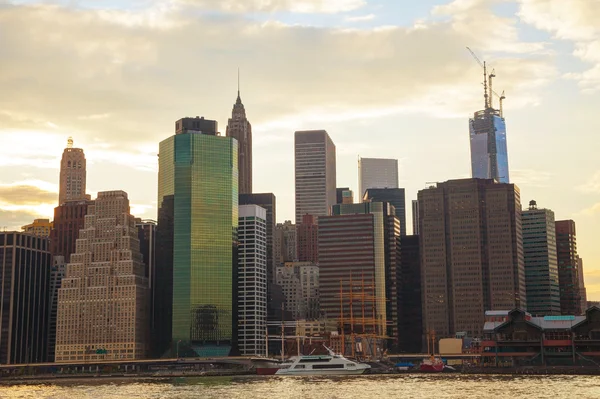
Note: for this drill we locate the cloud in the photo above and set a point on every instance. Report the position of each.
(299, 6)
(592, 185)
(530, 177)
(575, 21)
(361, 18)
(593, 210)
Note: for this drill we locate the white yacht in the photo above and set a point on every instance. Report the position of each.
(331, 364)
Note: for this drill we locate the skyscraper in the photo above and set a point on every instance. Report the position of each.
(415, 217)
(25, 263)
(252, 280)
(471, 247)
(300, 284)
(285, 243)
(72, 174)
(394, 196)
(541, 265)
(308, 239)
(376, 173)
(568, 279)
(198, 169)
(410, 316)
(103, 301)
(69, 219)
(582, 289)
(358, 245)
(268, 202)
(57, 273)
(315, 176)
(240, 129)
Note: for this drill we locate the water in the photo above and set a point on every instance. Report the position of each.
(379, 387)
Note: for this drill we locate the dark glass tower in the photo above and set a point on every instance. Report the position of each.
(198, 168)
(240, 129)
(394, 196)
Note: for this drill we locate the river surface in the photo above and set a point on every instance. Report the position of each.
(379, 387)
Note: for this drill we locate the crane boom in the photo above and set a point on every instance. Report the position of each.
(485, 79)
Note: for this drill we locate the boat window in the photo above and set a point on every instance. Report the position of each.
(316, 360)
(299, 366)
(328, 366)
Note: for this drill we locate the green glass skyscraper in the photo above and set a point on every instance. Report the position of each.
(198, 191)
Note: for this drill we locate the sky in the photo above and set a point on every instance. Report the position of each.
(385, 78)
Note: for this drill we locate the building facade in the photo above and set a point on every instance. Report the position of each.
(240, 129)
(415, 217)
(541, 264)
(103, 301)
(39, 227)
(410, 318)
(252, 280)
(489, 153)
(57, 273)
(471, 247)
(72, 175)
(376, 173)
(285, 243)
(25, 263)
(199, 170)
(344, 195)
(315, 173)
(300, 284)
(394, 196)
(582, 289)
(69, 219)
(308, 239)
(568, 278)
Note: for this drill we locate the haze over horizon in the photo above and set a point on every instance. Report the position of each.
(385, 78)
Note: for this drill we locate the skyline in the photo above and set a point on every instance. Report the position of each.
(384, 84)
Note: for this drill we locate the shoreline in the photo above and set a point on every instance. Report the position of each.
(87, 379)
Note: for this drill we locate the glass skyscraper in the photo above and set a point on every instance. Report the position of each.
(199, 169)
(489, 153)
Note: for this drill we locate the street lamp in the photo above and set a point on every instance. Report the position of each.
(178, 342)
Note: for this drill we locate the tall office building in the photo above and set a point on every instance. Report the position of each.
(285, 243)
(415, 217)
(69, 219)
(377, 173)
(252, 280)
(568, 278)
(308, 239)
(146, 232)
(410, 318)
(57, 273)
(161, 329)
(198, 201)
(240, 129)
(471, 248)
(103, 301)
(39, 227)
(394, 196)
(300, 284)
(25, 263)
(314, 173)
(354, 256)
(487, 130)
(72, 175)
(582, 289)
(541, 265)
(268, 202)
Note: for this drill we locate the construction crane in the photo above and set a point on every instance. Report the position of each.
(485, 78)
(500, 97)
(491, 75)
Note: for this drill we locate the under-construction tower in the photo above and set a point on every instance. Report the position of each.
(487, 130)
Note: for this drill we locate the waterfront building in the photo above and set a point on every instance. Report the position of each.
(568, 279)
(308, 239)
(410, 318)
(471, 247)
(541, 264)
(355, 256)
(300, 284)
(252, 280)
(582, 289)
(415, 217)
(240, 129)
(72, 175)
(489, 153)
(25, 263)
(394, 196)
(315, 175)
(39, 227)
(103, 301)
(285, 242)
(377, 173)
(69, 219)
(198, 168)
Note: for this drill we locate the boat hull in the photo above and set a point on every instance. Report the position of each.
(321, 372)
(267, 370)
(432, 368)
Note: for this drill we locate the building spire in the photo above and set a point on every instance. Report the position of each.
(239, 100)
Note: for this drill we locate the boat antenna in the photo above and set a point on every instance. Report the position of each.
(332, 353)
